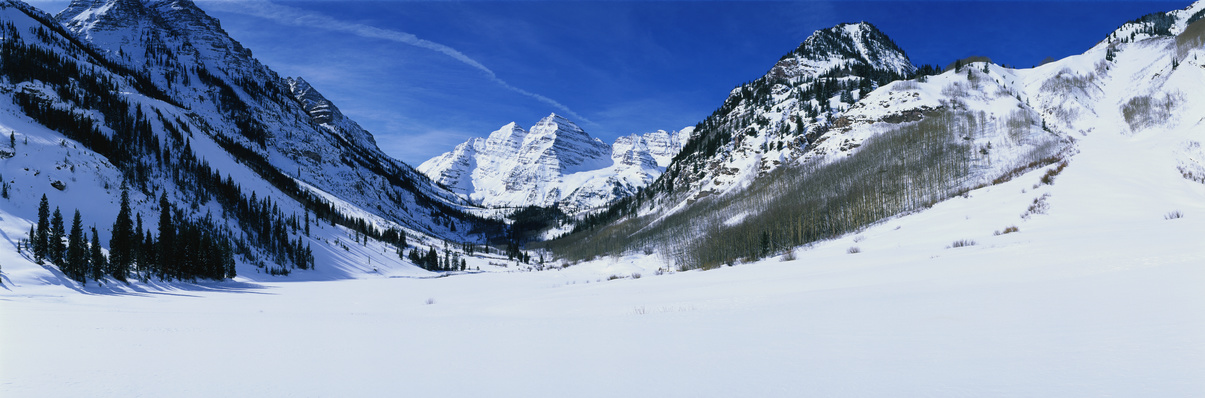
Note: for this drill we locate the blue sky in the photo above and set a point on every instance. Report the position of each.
(425, 76)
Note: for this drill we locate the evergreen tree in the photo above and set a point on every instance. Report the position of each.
(152, 264)
(77, 252)
(57, 232)
(228, 258)
(121, 245)
(431, 262)
(141, 257)
(41, 242)
(167, 237)
(97, 258)
(415, 258)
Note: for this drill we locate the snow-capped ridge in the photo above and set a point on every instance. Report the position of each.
(1170, 23)
(555, 163)
(860, 42)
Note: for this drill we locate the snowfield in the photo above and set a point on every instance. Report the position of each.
(1099, 296)
(1083, 280)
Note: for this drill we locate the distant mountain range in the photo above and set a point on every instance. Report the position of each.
(555, 164)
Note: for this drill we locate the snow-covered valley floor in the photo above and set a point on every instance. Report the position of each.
(1100, 296)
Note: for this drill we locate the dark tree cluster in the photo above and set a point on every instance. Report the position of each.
(184, 249)
(76, 256)
(432, 261)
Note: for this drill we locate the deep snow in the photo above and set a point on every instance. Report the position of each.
(1099, 296)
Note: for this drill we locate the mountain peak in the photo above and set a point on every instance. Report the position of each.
(135, 24)
(557, 125)
(88, 15)
(858, 42)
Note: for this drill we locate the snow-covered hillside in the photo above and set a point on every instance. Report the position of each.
(556, 163)
(154, 97)
(905, 146)
(232, 96)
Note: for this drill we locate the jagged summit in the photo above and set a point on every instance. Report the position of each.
(558, 143)
(845, 44)
(162, 28)
(103, 14)
(774, 119)
(555, 122)
(555, 163)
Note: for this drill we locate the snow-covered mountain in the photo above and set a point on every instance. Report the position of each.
(153, 95)
(186, 53)
(776, 118)
(556, 163)
(735, 194)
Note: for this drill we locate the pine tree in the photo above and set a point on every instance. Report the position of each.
(121, 246)
(167, 237)
(141, 257)
(77, 252)
(148, 247)
(97, 258)
(41, 239)
(57, 232)
(228, 258)
(431, 262)
(415, 258)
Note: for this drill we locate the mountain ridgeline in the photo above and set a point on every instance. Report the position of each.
(152, 100)
(845, 132)
(775, 119)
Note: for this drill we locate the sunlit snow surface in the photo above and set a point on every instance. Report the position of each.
(1101, 296)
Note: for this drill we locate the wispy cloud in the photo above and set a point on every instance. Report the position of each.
(297, 17)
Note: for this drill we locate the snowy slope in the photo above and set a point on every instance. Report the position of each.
(155, 96)
(994, 123)
(556, 163)
(187, 53)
